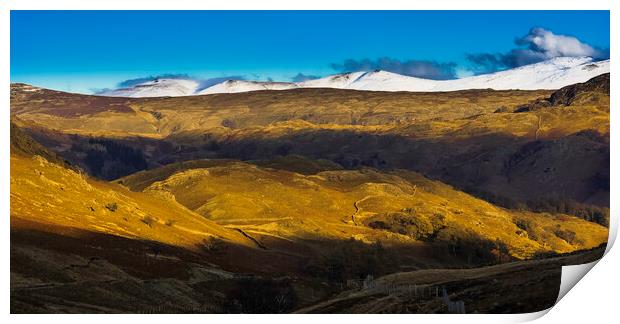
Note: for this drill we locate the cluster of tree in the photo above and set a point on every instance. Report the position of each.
(352, 259)
(471, 249)
(591, 213)
(261, 296)
(567, 235)
(406, 223)
(109, 159)
(213, 245)
(353, 161)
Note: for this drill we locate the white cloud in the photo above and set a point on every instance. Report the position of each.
(552, 45)
(538, 45)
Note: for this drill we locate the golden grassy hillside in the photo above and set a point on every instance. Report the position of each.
(160, 117)
(514, 148)
(398, 208)
(49, 194)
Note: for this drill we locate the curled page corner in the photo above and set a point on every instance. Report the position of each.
(528, 317)
(571, 276)
(613, 231)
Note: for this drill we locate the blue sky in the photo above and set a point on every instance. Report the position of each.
(84, 50)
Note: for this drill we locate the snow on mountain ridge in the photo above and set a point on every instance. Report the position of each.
(234, 86)
(157, 88)
(551, 74)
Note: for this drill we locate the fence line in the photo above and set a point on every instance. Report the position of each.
(412, 290)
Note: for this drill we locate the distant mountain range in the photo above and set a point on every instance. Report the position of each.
(551, 74)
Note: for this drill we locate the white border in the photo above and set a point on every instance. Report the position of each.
(595, 298)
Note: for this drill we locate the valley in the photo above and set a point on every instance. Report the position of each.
(179, 204)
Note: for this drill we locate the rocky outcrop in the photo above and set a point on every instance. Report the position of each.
(568, 95)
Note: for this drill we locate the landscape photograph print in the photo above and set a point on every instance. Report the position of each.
(307, 162)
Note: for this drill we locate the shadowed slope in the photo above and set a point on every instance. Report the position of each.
(533, 286)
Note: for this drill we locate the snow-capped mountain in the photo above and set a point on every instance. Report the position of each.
(551, 74)
(232, 86)
(157, 88)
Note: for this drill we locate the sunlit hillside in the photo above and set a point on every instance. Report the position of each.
(324, 200)
(514, 148)
(398, 207)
